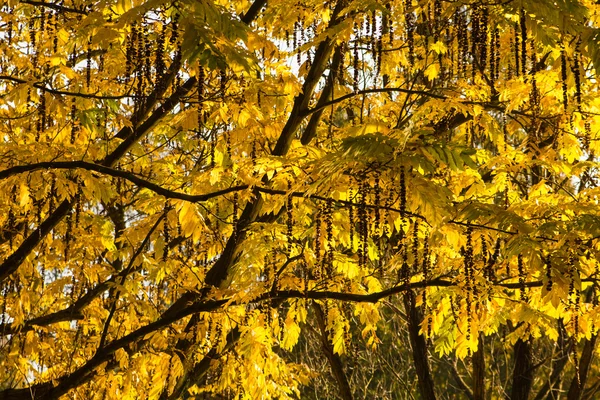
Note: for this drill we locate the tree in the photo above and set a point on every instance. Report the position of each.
(305, 199)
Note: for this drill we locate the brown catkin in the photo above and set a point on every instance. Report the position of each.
(355, 59)
(548, 263)
(289, 219)
(410, 26)
(563, 75)
(577, 73)
(522, 275)
(523, 25)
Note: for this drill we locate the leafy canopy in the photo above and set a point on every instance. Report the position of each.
(197, 193)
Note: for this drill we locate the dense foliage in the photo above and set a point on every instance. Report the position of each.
(299, 199)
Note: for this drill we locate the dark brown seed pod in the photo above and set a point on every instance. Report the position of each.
(68, 235)
(88, 67)
(491, 273)
(377, 203)
(410, 23)
(483, 38)
(522, 275)
(201, 85)
(74, 126)
(516, 50)
(563, 75)
(318, 240)
(523, 24)
(235, 216)
(351, 221)
(289, 219)
(159, 55)
(166, 235)
(577, 73)
(402, 192)
(174, 27)
(222, 83)
(355, 59)
(390, 24)
(329, 231)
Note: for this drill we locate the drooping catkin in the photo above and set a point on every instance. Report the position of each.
(563, 75)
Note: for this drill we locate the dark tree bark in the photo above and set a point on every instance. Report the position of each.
(523, 372)
(419, 348)
(479, 371)
(578, 382)
(335, 362)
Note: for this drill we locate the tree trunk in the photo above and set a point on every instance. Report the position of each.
(479, 371)
(523, 372)
(419, 348)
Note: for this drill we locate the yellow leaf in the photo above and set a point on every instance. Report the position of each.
(432, 71)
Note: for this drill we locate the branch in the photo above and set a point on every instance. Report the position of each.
(54, 6)
(41, 86)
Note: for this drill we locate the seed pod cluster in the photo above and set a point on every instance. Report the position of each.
(462, 39)
(522, 275)
(563, 76)
(377, 203)
(200, 92)
(159, 56)
(577, 73)
(410, 21)
(235, 221)
(351, 220)
(88, 66)
(523, 25)
(469, 273)
(363, 225)
(516, 51)
(68, 235)
(318, 241)
(289, 219)
(166, 234)
(355, 59)
(74, 126)
(535, 93)
(491, 263)
(329, 230)
(131, 52)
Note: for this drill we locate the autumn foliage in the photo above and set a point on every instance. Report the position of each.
(299, 199)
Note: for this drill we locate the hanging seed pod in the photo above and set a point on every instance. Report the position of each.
(223, 83)
(390, 23)
(329, 231)
(402, 192)
(74, 126)
(363, 223)
(296, 36)
(577, 73)
(517, 46)
(491, 273)
(523, 25)
(174, 26)
(341, 68)
(437, 19)
(497, 53)
(130, 52)
(235, 216)
(289, 219)
(159, 56)
(355, 59)
(78, 202)
(410, 22)
(521, 268)
(469, 284)
(42, 115)
(475, 37)
(483, 38)
(377, 203)
(318, 240)
(88, 67)
(68, 235)
(166, 235)
(587, 137)
(563, 75)
(213, 145)
(9, 28)
(351, 217)
(201, 86)
(301, 36)
(373, 41)
(253, 156)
